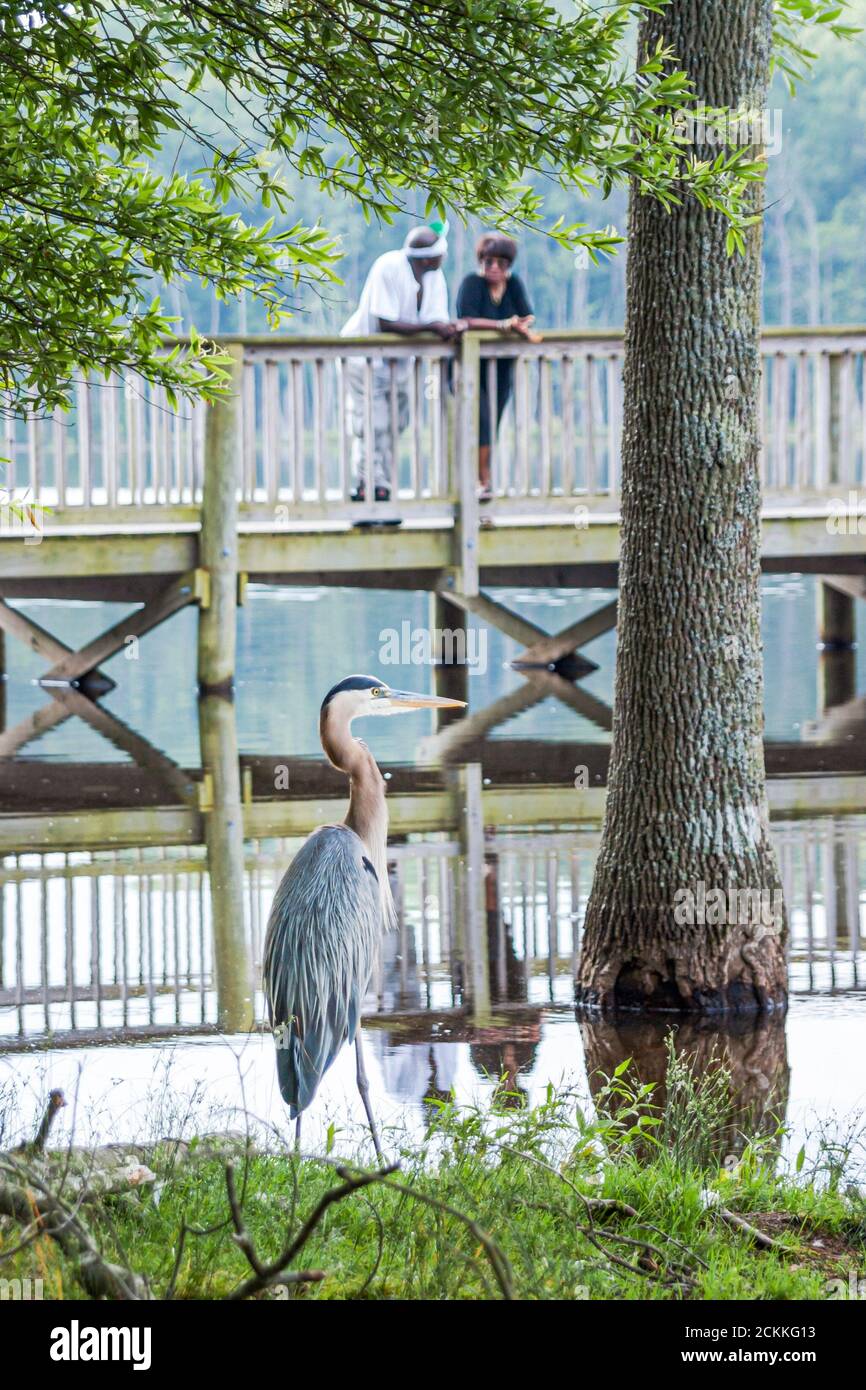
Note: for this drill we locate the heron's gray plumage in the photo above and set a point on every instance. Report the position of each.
(324, 927)
(332, 906)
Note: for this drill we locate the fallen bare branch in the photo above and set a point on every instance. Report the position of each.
(267, 1275)
(759, 1237)
(39, 1211)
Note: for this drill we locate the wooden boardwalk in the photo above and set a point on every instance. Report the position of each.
(131, 501)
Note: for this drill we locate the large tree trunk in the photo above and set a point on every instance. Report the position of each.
(686, 806)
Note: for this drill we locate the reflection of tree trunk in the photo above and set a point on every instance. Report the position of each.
(753, 1050)
(686, 805)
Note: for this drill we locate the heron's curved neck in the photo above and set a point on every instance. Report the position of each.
(367, 814)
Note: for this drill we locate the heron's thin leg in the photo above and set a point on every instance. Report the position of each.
(298, 1134)
(364, 1088)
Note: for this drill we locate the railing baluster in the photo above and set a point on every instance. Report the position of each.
(9, 433)
(433, 390)
(59, 419)
(295, 465)
(109, 440)
(198, 426)
(319, 460)
(297, 388)
(777, 469)
(545, 411)
(32, 426)
(521, 410)
(83, 423)
(136, 441)
(802, 458)
(367, 463)
(821, 438)
(846, 397)
(394, 424)
(614, 423)
(342, 427)
(270, 429)
(567, 425)
(417, 397)
(589, 425)
(248, 409)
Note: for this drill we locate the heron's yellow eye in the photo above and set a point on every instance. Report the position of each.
(377, 691)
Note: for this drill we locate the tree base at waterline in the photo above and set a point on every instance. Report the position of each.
(741, 973)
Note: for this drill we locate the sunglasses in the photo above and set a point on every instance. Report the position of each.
(502, 261)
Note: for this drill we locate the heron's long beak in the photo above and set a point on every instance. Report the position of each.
(406, 699)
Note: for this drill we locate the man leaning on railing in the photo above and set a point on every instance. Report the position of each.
(406, 293)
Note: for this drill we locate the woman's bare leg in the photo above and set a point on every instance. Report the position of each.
(484, 466)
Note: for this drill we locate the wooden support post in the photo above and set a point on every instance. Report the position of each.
(224, 839)
(451, 677)
(466, 456)
(836, 624)
(837, 676)
(218, 542)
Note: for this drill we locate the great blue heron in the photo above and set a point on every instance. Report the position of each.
(332, 906)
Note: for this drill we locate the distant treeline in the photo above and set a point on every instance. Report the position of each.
(814, 243)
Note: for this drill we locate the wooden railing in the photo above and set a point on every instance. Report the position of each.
(304, 443)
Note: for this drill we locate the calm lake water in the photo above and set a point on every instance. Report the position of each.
(116, 985)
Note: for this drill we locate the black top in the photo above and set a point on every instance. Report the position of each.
(474, 301)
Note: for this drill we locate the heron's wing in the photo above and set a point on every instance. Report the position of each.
(323, 930)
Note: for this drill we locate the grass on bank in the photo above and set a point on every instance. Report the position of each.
(626, 1201)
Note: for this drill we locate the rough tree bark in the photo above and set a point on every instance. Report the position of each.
(686, 802)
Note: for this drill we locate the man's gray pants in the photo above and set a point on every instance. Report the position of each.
(384, 445)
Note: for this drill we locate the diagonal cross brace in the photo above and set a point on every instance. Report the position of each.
(18, 625)
(71, 667)
(540, 648)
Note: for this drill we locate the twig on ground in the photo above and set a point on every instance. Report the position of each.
(266, 1275)
(40, 1212)
(740, 1223)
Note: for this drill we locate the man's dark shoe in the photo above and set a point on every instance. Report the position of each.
(359, 494)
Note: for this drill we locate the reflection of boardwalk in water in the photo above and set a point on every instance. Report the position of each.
(121, 941)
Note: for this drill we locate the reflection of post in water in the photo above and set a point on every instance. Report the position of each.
(753, 1050)
(506, 1049)
(224, 838)
(507, 976)
(471, 922)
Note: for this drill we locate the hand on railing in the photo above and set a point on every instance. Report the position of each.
(447, 331)
(522, 326)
